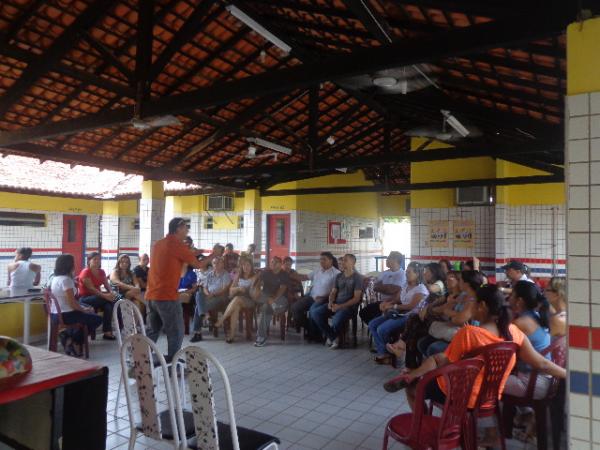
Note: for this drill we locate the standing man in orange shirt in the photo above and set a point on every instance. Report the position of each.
(164, 310)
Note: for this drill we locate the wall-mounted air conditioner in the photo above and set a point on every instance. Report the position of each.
(475, 195)
(219, 203)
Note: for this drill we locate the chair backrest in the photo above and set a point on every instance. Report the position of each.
(202, 400)
(496, 358)
(131, 318)
(144, 352)
(49, 301)
(459, 378)
(558, 353)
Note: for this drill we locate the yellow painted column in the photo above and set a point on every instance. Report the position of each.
(152, 214)
(583, 231)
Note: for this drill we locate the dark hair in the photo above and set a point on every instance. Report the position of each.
(351, 256)
(494, 300)
(418, 269)
(288, 258)
(64, 265)
(230, 245)
(91, 256)
(117, 264)
(278, 258)
(333, 259)
(397, 256)
(447, 263)
(534, 301)
(436, 271)
(25, 252)
(175, 223)
(467, 265)
(473, 278)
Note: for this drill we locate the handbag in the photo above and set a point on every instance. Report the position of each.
(443, 330)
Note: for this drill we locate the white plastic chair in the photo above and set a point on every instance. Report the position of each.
(133, 323)
(159, 426)
(201, 426)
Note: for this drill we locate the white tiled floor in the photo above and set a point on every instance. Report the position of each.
(308, 396)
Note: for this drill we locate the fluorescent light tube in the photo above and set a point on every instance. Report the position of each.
(271, 145)
(454, 123)
(254, 25)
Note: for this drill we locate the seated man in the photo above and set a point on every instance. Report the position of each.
(231, 258)
(214, 295)
(141, 271)
(389, 285)
(323, 281)
(22, 273)
(515, 271)
(342, 302)
(295, 287)
(269, 290)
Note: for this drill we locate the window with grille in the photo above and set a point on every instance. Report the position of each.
(19, 219)
(208, 223)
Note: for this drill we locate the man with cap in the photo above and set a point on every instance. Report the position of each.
(515, 271)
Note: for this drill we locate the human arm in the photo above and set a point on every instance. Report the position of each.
(223, 291)
(431, 363)
(350, 303)
(37, 269)
(332, 296)
(116, 280)
(74, 304)
(89, 285)
(279, 293)
(411, 305)
(476, 263)
(530, 356)
(387, 289)
(462, 317)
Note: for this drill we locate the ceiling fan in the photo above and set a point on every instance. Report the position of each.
(400, 80)
(155, 122)
(452, 129)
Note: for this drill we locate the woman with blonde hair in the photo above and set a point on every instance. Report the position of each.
(556, 293)
(125, 282)
(240, 294)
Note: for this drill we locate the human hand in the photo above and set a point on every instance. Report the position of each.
(335, 307)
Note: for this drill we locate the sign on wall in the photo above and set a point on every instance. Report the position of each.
(438, 233)
(334, 233)
(463, 232)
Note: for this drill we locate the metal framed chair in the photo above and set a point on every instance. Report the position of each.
(161, 426)
(420, 429)
(199, 428)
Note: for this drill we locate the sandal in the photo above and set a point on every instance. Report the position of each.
(395, 350)
(386, 359)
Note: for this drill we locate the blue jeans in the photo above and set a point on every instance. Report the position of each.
(204, 306)
(98, 303)
(89, 320)
(382, 329)
(320, 313)
(166, 315)
(429, 345)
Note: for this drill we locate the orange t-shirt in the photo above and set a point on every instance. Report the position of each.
(470, 338)
(166, 261)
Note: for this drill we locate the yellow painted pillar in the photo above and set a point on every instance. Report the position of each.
(583, 231)
(152, 214)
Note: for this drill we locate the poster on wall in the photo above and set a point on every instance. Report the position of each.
(334, 233)
(463, 233)
(438, 233)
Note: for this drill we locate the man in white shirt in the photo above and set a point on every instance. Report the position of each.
(323, 281)
(514, 271)
(389, 285)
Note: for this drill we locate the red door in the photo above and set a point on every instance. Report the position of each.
(74, 239)
(278, 228)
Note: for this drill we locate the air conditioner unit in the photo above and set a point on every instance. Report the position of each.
(475, 195)
(219, 203)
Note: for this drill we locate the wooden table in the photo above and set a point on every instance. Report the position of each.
(24, 296)
(71, 395)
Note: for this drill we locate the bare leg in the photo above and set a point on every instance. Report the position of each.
(232, 308)
(238, 303)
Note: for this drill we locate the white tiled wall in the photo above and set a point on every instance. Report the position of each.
(152, 223)
(129, 238)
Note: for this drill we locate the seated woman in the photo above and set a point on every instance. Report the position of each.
(557, 296)
(395, 313)
(239, 292)
(188, 285)
(495, 326)
(62, 287)
(530, 310)
(417, 324)
(126, 283)
(457, 311)
(91, 279)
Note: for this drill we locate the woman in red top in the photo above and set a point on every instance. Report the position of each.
(90, 280)
(494, 327)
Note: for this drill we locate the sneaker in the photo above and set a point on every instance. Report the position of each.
(334, 344)
(197, 337)
(260, 342)
(328, 342)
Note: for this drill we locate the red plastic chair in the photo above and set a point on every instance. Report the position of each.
(496, 358)
(421, 430)
(558, 351)
(56, 324)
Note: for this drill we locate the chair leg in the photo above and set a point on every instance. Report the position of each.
(501, 433)
(118, 396)
(186, 318)
(213, 317)
(282, 325)
(508, 415)
(541, 420)
(132, 438)
(355, 331)
(86, 343)
(386, 438)
(249, 316)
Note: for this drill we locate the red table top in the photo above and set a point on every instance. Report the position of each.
(50, 370)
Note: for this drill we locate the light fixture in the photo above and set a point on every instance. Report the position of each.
(254, 25)
(342, 169)
(454, 123)
(331, 140)
(251, 151)
(387, 82)
(270, 145)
